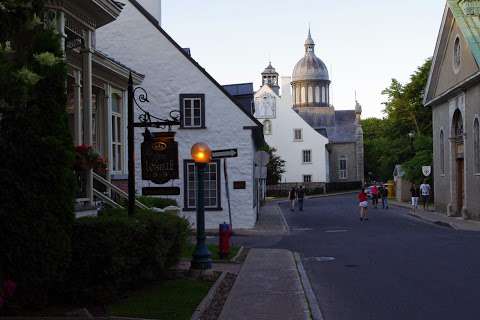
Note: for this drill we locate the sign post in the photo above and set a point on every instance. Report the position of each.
(227, 191)
(131, 154)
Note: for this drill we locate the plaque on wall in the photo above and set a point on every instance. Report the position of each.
(161, 191)
(239, 185)
(159, 152)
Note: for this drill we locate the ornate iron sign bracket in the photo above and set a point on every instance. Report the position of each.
(137, 97)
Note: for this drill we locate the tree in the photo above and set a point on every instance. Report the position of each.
(387, 141)
(36, 153)
(275, 167)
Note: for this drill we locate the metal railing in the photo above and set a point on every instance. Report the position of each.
(113, 188)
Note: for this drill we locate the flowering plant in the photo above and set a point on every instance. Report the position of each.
(7, 291)
(87, 158)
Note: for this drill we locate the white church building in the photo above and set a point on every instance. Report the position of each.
(318, 143)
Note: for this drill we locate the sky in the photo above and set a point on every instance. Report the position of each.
(364, 44)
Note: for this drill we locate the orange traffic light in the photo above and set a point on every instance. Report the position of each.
(201, 153)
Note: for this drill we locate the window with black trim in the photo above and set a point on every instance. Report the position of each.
(307, 156)
(192, 111)
(211, 185)
(297, 135)
(342, 167)
(307, 178)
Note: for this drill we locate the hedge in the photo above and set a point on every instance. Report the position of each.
(111, 254)
(155, 202)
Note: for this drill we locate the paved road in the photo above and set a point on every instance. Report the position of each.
(391, 267)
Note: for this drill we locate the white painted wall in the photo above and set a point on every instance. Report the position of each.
(282, 139)
(133, 40)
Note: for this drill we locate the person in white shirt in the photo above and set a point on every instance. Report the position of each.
(425, 191)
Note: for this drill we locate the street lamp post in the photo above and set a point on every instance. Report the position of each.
(411, 135)
(202, 155)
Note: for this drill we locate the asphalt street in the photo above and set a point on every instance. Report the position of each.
(393, 266)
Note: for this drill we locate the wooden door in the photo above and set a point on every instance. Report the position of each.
(460, 189)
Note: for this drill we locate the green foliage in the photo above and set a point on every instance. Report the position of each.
(36, 155)
(275, 167)
(169, 300)
(387, 142)
(155, 202)
(115, 253)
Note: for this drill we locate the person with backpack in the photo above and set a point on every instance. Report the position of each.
(292, 196)
(363, 204)
(300, 197)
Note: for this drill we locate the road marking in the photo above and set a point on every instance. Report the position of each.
(336, 231)
(301, 229)
(320, 259)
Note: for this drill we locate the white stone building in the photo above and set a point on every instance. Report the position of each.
(302, 148)
(174, 81)
(318, 143)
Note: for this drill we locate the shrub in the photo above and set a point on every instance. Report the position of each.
(113, 253)
(36, 155)
(155, 202)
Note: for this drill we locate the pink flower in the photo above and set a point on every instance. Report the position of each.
(9, 287)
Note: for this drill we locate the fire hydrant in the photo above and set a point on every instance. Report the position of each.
(225, 233)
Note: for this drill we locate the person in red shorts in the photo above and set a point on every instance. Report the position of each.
(363, 204)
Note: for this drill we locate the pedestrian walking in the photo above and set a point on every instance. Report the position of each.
(300, 197)
(384, 195)
(415, 192)
(292, 196)
(374, 191)
(363, 204)
(425, 191)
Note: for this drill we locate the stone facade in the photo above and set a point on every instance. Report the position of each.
(453, 92)
(137, 39)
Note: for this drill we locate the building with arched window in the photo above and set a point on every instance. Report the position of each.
(453, 94)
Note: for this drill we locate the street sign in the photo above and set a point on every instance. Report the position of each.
(427, 170)
(159, 153)
(227, 153)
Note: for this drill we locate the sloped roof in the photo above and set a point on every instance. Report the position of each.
(469, 24)
(155, 23)
(339, 126)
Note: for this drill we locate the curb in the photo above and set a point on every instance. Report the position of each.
(315, 312)
(208, 298)
(240, 251)
(435, 222)
(285, 223)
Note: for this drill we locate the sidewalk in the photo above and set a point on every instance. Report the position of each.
(457, 223)
(267, 287)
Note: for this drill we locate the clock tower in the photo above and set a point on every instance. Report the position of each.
(270, 78)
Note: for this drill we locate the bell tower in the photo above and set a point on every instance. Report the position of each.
(270, 78)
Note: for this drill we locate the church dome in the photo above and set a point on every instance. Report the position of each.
(310, 67)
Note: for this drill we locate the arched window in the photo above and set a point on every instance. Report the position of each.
(267, 127)
(442, 153)
(328, 94)
(303, 97)
(310, 95)
(317, 94)
(476, 144)
(324, 99)
(297, 94)
(458, 126)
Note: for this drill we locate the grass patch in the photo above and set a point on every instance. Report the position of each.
(169, 300)
(213, 248)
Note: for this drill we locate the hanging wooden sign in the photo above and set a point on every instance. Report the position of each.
(159, 157)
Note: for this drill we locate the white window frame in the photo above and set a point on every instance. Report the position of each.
(295, 134)
(307, 155)
(342, 173)
(117, 135)
(189, 113)
(212, 188)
